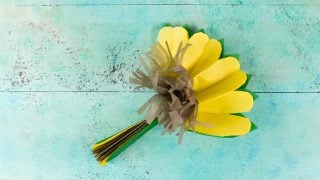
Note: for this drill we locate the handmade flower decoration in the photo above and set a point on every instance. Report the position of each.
(197, 88)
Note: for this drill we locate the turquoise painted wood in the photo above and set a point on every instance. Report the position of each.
(139, 2)
(63, 86)
(94, 47)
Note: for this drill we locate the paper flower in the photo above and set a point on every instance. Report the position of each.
(196, 88)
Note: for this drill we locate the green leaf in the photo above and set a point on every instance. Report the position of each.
(166, 24)
(237, 56)
(200, 30)
(238, 114)
(244, 86)
(189, 29)
(253, 127)
(228, 136)
(192, 29)
(222, 45)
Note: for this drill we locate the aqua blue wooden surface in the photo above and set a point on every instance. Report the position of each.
(94, 47)
(192, 2)
(63, 86)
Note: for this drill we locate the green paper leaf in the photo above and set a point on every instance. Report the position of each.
(244, 86)
(166, 24)
(228, 136)
(200, 30)
(253, 127)
(192, 29)
(189, 29)
(238, 114)
(237, 56)
(222, 45)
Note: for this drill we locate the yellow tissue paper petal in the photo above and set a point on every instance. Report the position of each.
(226, 85)
(222, 124)
(166, 34)
(209, 56)
(215, 73)
(180, 35)
(233, 102)
(198, 42)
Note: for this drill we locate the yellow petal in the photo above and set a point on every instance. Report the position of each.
(209, 56)
(165, 34)
(198, 42)
(215, 73)
(180, 35)
(222, 124)
(226, 85)
(233, 102)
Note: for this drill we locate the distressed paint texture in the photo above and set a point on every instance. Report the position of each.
(179, 2)
(94, 47)
(63, 86)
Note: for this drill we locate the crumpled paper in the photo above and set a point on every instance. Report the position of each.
(174, 105)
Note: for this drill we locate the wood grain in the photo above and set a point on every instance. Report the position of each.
(48, 136)
(95, 48)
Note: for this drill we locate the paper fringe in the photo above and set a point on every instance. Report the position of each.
(175, 105)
